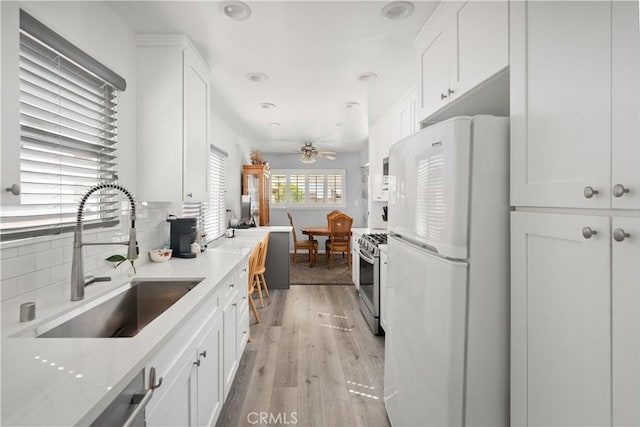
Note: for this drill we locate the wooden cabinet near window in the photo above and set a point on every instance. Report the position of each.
(255, 183)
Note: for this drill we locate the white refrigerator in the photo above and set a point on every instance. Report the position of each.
(447, 339)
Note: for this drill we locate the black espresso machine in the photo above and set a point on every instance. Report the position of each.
(183, 234)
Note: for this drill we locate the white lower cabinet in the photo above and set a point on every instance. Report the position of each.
(198, 369)
(193, 394)
(575, 323)
(625, 319)
(230, 357)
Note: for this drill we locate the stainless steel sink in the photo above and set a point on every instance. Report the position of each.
(124, 314)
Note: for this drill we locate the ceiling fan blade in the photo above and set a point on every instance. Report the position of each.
(289, 154)
(332, 153)
(327, 156)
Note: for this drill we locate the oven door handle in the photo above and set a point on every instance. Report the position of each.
(366, 257)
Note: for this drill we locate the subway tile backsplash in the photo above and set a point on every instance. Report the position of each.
(39, 269)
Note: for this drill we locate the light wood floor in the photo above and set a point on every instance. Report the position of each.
(312, 354)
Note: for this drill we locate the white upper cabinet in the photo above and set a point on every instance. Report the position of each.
(574, 112)
(173, 120)
(482, 45)
(434, 58)
(625, 86)
(462, 46)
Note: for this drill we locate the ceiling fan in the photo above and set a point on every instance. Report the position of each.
(308, 153)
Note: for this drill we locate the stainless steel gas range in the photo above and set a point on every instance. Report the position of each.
(369, 250)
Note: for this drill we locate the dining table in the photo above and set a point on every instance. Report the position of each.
(321, 231)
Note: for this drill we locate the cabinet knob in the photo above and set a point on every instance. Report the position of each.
(443, 96)
(450, 92)
(589, 192)
(14, 189)
(619, 235)
(189, 195)
(235, 304)
(587, 232)
(204, 353)
(197, 363)
(619, 190)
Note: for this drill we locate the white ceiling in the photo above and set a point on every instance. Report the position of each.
(311, 51)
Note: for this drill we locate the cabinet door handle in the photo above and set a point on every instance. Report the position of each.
(450, 92)
(152, 379)
(244, 270)
(619, 190)
(14, 189)
(588, 232)
(232, 285)
(589, 192)
(443, 96)
(189, 195)
(204, 353)
(235, 304)
(619, 235)
(197, 363)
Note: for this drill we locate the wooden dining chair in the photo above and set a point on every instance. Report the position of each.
(253, 264)
(340, 231)
(309, 244)
(326, 242)
(261, 282)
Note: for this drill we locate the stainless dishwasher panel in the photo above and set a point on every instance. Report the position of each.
(124, 405)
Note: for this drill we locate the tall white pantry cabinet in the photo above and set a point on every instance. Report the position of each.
(575, 186)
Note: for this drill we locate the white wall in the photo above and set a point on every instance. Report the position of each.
(356, 205)
(224, 137)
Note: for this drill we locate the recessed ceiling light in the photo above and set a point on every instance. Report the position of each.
(351, 104)
(274, 124)
(366, 77)
(267, 105)
(398, 10)
(258, 77)
(235, 10)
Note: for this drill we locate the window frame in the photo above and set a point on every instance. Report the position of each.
(306, 173)
(76, 72)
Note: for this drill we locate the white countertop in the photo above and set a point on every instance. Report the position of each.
(69, 381)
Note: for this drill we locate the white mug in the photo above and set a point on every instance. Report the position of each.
(231, 232)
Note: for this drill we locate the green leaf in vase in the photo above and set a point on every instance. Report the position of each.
(116, 258)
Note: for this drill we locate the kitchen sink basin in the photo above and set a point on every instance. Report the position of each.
(124, 314)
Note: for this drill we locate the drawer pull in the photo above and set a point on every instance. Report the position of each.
(619, 235)
(619, 190)
(588, 232)
(589, 192)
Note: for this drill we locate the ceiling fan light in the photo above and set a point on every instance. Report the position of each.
(307, 159)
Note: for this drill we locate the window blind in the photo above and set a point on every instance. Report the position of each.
(68, 132)
(215, 218)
